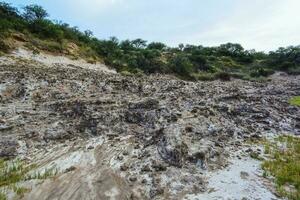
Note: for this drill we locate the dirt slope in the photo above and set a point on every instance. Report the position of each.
(151, 137)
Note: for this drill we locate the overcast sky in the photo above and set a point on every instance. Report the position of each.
(256, 24)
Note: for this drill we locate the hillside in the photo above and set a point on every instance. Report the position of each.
(105, 136)
(83, 118)
(189, 62)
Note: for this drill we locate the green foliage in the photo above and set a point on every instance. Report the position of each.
(294, 70)
(12, 172)
(285, 59)
(181, 65)
(284, 165)
(224, 76)
(46, 29)
(261, 72)
(157, 45)
(34, 12)
(46, 45)
(126, 73)
(2, 196)
(15, 171)
(204, 76)
(7, 11)
(295, 101)
(185, 61)
(47, 173)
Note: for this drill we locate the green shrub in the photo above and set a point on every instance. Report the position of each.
(2, 196)
(224, 76)
(294, 71)
(126, 73)
(50, 46)
(181, 65)
(261, 72)
(284, 165)
(204, 76)
(295, 101)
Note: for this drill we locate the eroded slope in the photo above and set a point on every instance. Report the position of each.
(116, 137)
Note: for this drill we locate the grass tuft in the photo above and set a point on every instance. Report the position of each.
(295, 101)
(14, 172)
(284, 165)
(2, 196)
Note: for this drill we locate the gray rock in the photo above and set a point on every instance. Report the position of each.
(8, 148)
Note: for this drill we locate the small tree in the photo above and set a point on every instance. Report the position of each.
(139, 43)
(181, 65)
(6, 10)
(34, 13)
(126, 45)
(88, 33)
(157, 45)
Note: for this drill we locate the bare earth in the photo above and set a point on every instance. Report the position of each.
(153, 137)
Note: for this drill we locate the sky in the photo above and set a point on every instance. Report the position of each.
(263, 25)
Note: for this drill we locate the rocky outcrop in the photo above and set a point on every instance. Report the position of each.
(116, 137)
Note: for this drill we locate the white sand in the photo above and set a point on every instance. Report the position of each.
(230, 184)
(51, 60)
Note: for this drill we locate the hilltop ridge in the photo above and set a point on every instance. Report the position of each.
(190, 62)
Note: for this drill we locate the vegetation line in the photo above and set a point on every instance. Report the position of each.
(137, 56)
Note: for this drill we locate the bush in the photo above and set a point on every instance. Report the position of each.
(204, 76)
(157, 45)
(284, 165)
(125, 73)
(295, 101)
(181, 65)
(261, 72)
(47, 45)
(224, 76)
(294, 71)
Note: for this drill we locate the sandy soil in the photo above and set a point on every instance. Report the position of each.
(52, 60)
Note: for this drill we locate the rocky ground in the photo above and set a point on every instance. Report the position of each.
(152, 137)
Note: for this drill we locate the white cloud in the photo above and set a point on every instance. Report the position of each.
(259, 24)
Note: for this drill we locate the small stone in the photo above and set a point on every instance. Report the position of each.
(144, 181)
(132, 179)
(124, 167)
(8, 148)
(156, 192)
(189, 129)
(90, 147)
(146, 168)
(72, 168)
(244, 175)
(249, 150)
(159, 167)
(119, 157)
